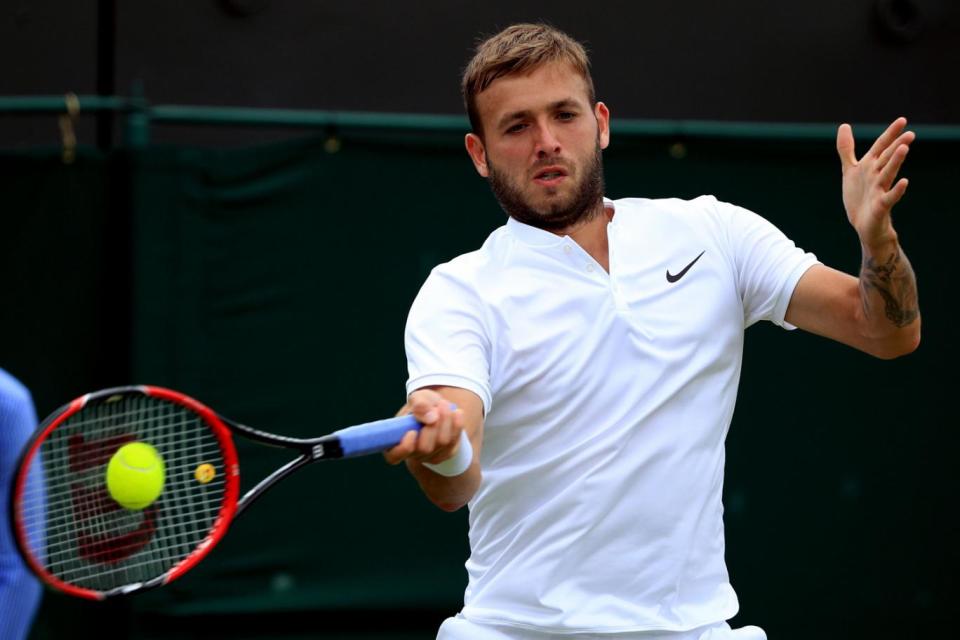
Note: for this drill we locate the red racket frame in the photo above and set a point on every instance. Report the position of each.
(227, 510)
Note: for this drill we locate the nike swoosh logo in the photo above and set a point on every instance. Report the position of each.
(672, 278)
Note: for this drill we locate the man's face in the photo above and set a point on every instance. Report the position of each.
(541, 146)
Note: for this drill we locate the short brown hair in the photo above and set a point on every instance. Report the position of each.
(520, 48)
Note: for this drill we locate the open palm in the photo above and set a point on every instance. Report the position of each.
(869, 192)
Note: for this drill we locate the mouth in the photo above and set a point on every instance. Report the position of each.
(550, 176)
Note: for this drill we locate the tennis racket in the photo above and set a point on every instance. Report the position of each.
(78, 540)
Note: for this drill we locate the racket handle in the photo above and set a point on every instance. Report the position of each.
(373, 437)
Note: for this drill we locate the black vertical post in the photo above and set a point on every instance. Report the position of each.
(106, 67)
(116, 281)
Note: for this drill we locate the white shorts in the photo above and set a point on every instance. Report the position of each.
(459, 628)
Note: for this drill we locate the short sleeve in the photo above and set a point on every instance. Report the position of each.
(768, 265)
(446, 340)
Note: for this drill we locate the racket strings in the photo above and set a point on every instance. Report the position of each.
(208, 449)
(67, 526)
(75, 530)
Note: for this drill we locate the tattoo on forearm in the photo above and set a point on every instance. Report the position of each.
(894, 281)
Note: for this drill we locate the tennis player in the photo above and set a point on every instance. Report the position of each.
(19, 590)
(593, 349)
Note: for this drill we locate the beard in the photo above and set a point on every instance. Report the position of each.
(583, 205)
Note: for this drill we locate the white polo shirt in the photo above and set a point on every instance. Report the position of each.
(607, 398)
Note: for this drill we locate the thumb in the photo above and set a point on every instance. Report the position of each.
(423, 406)
(846, 147)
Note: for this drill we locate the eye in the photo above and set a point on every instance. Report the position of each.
(516, 128)
(566, 115)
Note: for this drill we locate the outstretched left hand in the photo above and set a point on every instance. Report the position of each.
(868, 189)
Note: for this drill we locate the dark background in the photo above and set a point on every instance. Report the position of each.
(269, 272)
(752, 60)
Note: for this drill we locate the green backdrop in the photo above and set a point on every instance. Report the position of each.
(273, 283)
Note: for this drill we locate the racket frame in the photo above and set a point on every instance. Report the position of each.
(310, 450)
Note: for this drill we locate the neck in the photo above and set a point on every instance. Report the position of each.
(591, 234)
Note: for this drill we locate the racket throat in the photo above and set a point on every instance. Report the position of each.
(326, 447)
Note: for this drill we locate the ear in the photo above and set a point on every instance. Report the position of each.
(477, 153)
(603, 122)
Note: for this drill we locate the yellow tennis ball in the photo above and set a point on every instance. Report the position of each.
(135, 475)
(205, 473)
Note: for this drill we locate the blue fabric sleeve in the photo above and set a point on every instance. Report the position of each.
(19, 590)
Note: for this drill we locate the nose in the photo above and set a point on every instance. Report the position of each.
(546, 141)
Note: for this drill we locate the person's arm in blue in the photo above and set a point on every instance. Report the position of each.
(19, 590)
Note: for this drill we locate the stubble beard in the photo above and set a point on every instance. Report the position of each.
(586, 203)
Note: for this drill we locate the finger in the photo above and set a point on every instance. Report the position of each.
(426, 441)
(458, 427)
(889, 172)
(445, 430)
(846, 146)
(887, 137)
(403, 450)
(893, 196)
(449, 450)
(905, 138)
(443, 454)
(423, 406)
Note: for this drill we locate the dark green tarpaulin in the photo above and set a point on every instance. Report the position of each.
(273, 283)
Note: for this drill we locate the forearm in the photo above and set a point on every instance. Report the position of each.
(877, 313)
(448, 493)
(450, 439)
(888, 297)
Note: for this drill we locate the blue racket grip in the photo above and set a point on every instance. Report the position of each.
(381, 435)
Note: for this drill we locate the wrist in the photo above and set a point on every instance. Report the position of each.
(881, 246)
(458, 463)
